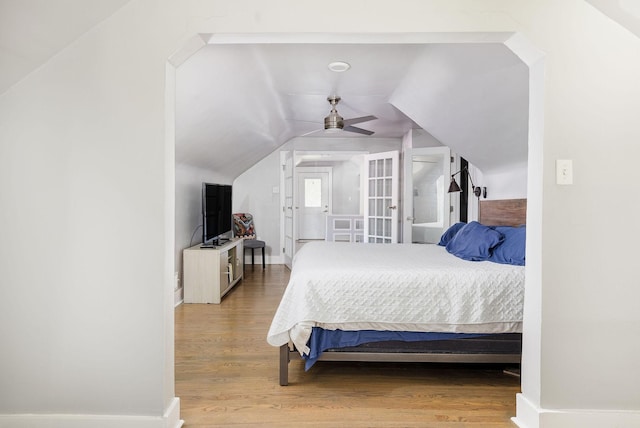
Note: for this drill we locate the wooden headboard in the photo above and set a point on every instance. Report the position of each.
(503, 212)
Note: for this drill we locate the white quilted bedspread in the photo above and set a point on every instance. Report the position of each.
(401, 287)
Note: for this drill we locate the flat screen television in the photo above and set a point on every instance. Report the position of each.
(217, 219)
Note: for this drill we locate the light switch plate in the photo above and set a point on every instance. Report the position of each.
(564, 171)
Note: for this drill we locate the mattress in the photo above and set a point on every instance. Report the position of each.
(395, 287)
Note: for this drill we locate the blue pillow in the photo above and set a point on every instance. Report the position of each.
(512, 250)
(474, 242)
(449, 234)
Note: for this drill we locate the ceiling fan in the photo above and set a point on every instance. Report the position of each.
(335, 122)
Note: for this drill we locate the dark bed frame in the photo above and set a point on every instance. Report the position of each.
(496, 349)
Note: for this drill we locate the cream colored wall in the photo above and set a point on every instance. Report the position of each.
(88, 309)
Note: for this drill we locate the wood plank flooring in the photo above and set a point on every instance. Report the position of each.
(227, 375)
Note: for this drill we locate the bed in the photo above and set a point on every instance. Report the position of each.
(404, 302)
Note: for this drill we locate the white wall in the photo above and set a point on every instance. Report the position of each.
(345, 191)
(346, 187)
(585, 290)
(85, 318)
(370, 145)
(85, 314)
(253, 189)
(253, 192)
(507, 183)
(420, 138)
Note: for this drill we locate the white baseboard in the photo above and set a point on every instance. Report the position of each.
(170, 419)
(528, 415)
(177, 297)
(172, 414)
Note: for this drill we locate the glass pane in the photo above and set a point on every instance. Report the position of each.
(372, 188)
(372, 207)
(379, 226)
(379, 187)
(379, 168)
(428, 190)
(387, 187)
(372, 168)
(387, 227)
(387, 210)
(379, 207)
(312, 192)
(387, 167)
(359, 224)
(372, 226)
(342, 224)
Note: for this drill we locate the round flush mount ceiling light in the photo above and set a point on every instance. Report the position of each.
(339, 66)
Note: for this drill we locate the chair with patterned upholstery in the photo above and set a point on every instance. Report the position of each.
(243, 227)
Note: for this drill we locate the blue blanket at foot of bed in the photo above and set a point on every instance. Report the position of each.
(322, 339)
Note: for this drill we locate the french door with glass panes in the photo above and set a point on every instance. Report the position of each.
(381, 198)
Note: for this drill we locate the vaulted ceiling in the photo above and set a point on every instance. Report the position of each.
(32, 31)
(251, 98)
(237, 103)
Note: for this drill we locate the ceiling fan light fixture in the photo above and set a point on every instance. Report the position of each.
(339, 66)
(332, 130)
(333, 121)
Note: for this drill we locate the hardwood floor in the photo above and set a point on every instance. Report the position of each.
(227, 375)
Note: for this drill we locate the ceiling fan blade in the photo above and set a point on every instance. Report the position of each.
(355, 120)
(357, 130)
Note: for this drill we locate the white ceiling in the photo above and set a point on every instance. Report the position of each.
(624, 12)
(251, 98)
(32, 31)
(237, 104)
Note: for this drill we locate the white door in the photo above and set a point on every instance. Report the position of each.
(313, 202)
(287, 207)
(427, 173)
(381, 198)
